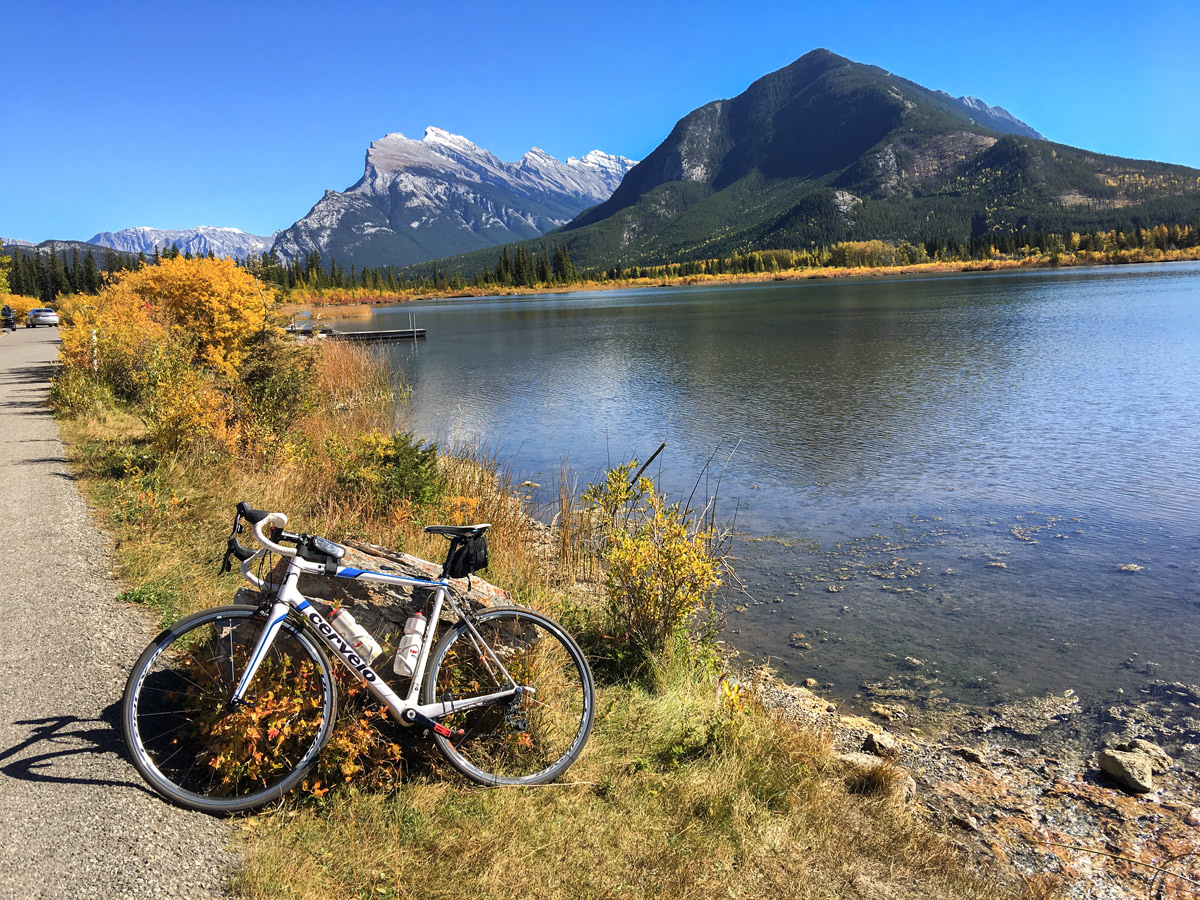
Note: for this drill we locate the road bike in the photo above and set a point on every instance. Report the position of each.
(229, 708)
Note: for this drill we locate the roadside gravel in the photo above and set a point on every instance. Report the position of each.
(75, 818)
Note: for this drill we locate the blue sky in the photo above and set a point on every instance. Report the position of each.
(120, 114)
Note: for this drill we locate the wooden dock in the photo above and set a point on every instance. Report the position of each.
(394, 334)
(311, 329)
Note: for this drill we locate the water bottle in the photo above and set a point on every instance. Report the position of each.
(410, 645)
(355, 635)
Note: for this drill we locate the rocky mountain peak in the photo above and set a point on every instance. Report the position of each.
(996, 118)
(444, 194)
(435, 135)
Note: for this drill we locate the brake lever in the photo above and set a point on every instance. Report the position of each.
(234, 549)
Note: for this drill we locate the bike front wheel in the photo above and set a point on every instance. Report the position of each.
(531, 737)
(193, 747)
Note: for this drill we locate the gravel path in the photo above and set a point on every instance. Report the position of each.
(75, 819)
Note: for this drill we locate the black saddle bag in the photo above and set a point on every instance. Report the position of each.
(467, 556)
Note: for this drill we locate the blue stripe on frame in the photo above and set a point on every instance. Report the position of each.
(351, 572)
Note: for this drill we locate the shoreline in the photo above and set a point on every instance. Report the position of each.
(362, 298)
(1008, 797)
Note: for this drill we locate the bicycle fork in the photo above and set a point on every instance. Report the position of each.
(275, 617)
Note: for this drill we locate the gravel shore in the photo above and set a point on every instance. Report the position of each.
(75, 819)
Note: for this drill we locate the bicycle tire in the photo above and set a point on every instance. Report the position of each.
(536, 736)
(187, 743)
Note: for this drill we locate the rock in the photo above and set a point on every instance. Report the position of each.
(882, 744)
(1193, 817)
(966, 823)
(1159, 761)
(811, 683)
(969, 754)
(890, 712)
(1130, 769)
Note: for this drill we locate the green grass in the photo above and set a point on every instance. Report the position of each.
(681, 793)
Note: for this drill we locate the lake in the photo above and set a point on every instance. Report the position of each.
(953, 489)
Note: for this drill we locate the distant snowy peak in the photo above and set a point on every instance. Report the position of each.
(995, 117)
(453, 156)
(228, 242)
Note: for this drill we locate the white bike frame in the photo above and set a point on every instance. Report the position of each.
(406, 710)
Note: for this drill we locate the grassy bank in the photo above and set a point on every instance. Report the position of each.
(688, 788)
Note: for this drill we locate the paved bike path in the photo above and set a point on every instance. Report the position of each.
(75, 818)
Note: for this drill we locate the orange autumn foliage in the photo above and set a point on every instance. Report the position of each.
(215, 303)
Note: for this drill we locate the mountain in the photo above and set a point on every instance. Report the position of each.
(229, 242)
(62, 248)
(827, 150)
(996, 118)
(419, 200)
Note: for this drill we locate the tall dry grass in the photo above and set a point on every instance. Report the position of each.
(682, 794)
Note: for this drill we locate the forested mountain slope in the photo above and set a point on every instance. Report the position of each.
(827, 150)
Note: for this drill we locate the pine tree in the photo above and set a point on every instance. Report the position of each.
(504, 271)
(564, 269)
(16, 277)
(91, 276)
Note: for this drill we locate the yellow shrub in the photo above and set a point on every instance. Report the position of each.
(114, 336)
(661, 571)
(216, 304)
(187, 408)
(21, 305)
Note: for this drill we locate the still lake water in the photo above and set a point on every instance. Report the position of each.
(936, 480)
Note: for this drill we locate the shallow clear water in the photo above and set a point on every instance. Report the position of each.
(967, 460)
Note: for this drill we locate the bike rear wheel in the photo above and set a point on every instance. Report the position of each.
(197, 751)
(531, 737)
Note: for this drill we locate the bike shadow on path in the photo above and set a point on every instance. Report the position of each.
(56, 750)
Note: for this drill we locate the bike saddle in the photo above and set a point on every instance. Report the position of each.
(458, 531)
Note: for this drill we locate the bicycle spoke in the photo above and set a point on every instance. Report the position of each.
(197, 750)
(532, 736)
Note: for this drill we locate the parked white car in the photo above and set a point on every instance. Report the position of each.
(41, 316)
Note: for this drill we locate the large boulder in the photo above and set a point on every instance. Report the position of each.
(1130, 769)
(882, 744)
